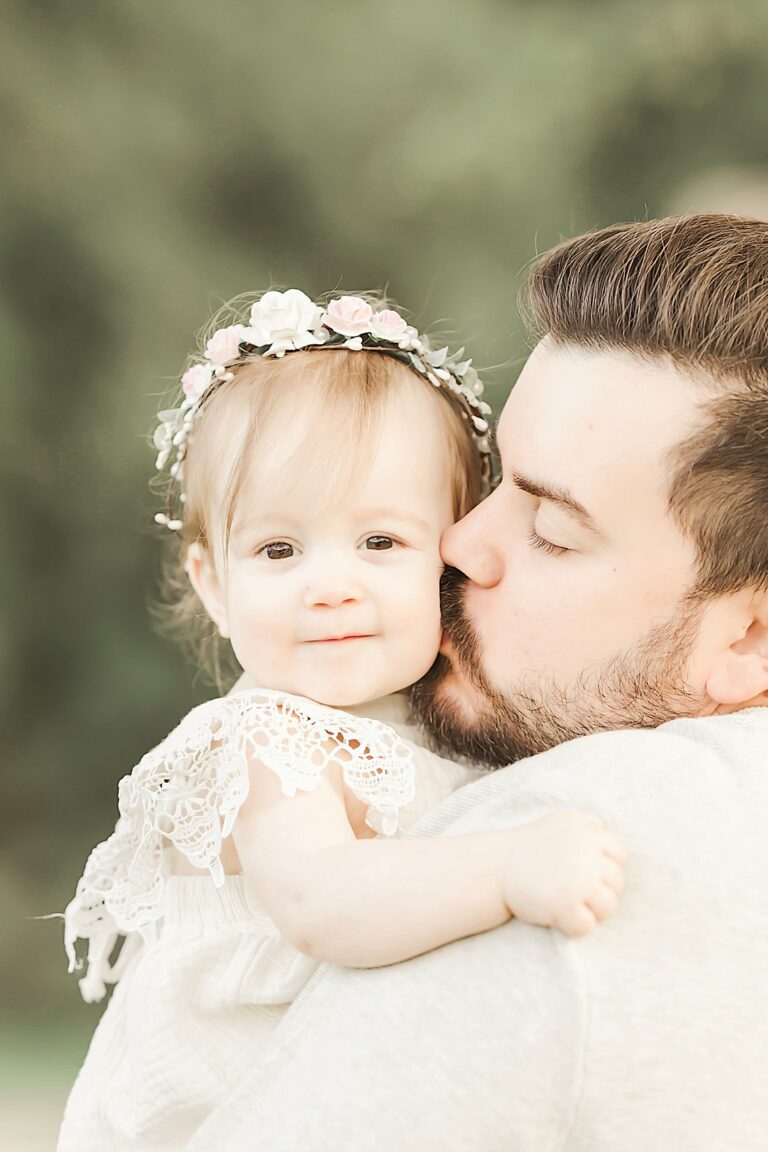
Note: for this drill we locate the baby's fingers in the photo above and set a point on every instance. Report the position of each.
(602, 902)
(576, 920)
(614, 847)
(613, 875)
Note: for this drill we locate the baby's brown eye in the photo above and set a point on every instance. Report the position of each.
(280, 550)
(379, 543)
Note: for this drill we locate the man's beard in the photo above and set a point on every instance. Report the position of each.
(637, 688)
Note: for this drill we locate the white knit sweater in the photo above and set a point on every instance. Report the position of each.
(648, 1035)
(204, 975)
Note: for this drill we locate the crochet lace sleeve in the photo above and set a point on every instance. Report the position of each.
(188, 791)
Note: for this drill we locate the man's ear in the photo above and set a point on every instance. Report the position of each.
(741, 672)
(205, 580)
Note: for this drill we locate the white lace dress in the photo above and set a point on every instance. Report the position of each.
(204, 975)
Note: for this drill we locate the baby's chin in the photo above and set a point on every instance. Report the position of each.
(353, 696)
(348, 674)
(358, 690)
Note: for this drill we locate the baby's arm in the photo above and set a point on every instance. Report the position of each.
(364, 903)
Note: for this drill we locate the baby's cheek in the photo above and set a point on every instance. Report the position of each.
(423, 629)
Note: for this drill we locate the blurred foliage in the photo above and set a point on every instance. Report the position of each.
(161, 158)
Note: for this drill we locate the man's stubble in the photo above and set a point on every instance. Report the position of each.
(636, 688)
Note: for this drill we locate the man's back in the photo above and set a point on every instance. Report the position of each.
(651, 1033)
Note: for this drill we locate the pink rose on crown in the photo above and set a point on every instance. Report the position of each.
(388, 325)
(224, 346)
(196, 379)
(349, 316)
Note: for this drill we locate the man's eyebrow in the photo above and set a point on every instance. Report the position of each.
(556, 495)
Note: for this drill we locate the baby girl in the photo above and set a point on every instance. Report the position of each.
(316, 454)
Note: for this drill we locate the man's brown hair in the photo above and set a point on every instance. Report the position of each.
(693, 290)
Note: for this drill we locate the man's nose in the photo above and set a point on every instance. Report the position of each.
(471, 545)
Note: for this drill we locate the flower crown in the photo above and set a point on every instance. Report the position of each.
(289, 321)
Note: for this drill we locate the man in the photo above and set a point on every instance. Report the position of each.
(606, 612)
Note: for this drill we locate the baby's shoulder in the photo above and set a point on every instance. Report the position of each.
(294, 736)
(223, 723)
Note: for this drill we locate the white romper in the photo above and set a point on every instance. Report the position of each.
(204, 975)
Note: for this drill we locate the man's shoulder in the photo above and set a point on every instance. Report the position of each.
(700, 761)
(626, 756)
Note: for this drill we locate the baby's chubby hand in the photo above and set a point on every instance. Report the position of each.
(563, 871)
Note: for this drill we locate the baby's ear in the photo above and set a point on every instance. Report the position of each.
(205, 580)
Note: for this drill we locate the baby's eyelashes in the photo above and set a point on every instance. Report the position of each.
(278, 550)
(379, 543)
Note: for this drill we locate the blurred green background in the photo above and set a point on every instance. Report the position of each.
(162, 157)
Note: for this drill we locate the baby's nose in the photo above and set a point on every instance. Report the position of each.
(332, 592)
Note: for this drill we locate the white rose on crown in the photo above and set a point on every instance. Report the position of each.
(285, 320)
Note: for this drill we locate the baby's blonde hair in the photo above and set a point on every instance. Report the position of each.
(299, 414)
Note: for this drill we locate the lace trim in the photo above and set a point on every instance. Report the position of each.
(188, 791)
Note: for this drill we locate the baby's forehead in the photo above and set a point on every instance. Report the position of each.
(392, 458)
(312, 509)
(306, 462)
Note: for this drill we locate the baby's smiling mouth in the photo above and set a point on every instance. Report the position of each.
(341, 639)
